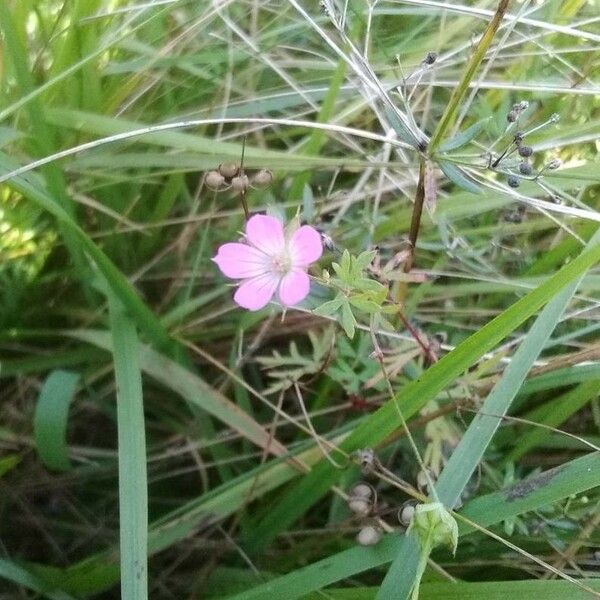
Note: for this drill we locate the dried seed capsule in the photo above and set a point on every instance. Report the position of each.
(525, 151)
(240, 184)
(229, 170)
(519, 135)
(362, 490)
(262, 179)
(406, 512)
(513, 181)
(512, 116)
(430, 58)
(525, 168)
(359, 506)
(368, 536)
(367, 460)
(214, 180)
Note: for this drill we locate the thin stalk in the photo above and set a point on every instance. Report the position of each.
(460, 90)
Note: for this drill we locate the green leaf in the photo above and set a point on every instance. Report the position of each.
(348, 321)
(458, 177)
(50, 419)
(133, 483)
(330, 307)
(463, 137)
(20, 575)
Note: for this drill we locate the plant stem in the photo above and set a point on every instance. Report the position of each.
(460, 90)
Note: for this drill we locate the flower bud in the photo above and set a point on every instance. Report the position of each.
(240, 184)
(525, 151)
(214, 180)
(433, 524)
(262, 179)
(554, 164)
(513, 181)
(229, 170)
(368, 536)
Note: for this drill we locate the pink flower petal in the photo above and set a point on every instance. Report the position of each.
(294, 287)
(306, 246)
(241, 261)
(255, 293)
(266, 234)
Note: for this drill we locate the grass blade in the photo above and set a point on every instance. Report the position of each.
(133, 484)
(50, 419)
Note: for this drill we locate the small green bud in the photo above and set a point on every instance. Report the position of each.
(432, 524)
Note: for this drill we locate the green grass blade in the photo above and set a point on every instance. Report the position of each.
(21, 576)
(50, 419)
(133, 484)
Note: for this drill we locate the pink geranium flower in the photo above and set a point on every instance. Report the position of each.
(270, 261)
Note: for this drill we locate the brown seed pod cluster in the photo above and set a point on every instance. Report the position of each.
(230, 176)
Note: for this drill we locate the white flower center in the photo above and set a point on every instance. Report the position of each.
(281, 263)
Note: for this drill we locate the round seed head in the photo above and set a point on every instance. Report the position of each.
(430, 58)
(513, 181)
(525, 168)
(368, 536)
(214, 180)
(229, 170)
(240, 184)
(519, 135)
(406, 512)
(512, 116)
(362, 490)
(525, 151)
(359, 506)
(263, 179)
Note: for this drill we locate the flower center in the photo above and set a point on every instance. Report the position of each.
(281, 264)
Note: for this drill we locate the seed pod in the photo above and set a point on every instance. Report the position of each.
(368, 536)
(362, 490)
(519, 135)
(513, 181)
(262, 179)
(359, 506)
(525, 168)
(406, 512)
(430, 58)
(554, 164)
(240, 184)
(523, 105)
(512, 116)
(214, 180)
(229, 170)
(525, 151)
